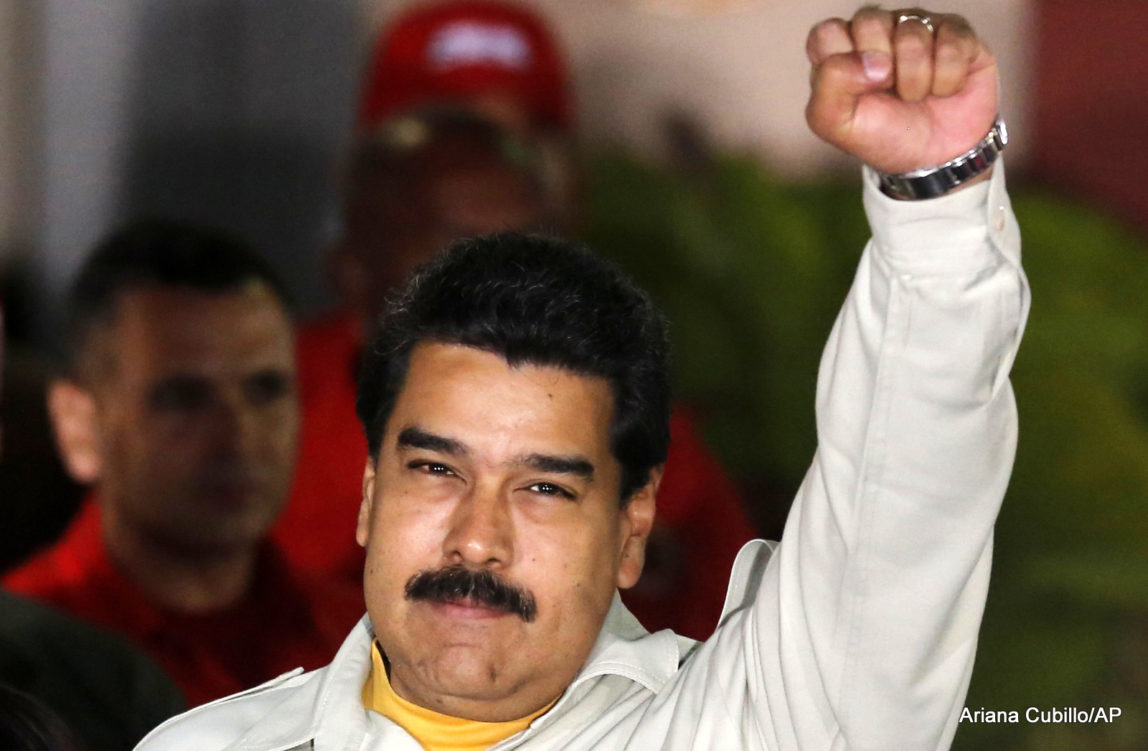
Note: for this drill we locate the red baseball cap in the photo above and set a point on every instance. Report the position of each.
(463, 49)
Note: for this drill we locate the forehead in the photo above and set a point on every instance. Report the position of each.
(478, 398)
(485, 197)
(157, 329)
(432, 179)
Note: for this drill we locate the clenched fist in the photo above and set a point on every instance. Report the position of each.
(900, 96)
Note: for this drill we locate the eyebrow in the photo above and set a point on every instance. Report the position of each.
(417, 438)
(563, 465)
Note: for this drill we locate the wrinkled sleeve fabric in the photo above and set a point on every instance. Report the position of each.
(860, 632)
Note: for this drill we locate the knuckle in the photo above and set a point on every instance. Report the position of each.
(872, 12)
(870, 26)
(826, 32)
(827, 38)
(957, 28)
(958, 23)
(828, 26)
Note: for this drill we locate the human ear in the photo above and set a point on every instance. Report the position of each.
(363, 525)
(72, 410)
(637, 521)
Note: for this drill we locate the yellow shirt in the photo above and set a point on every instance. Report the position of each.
(436, 732)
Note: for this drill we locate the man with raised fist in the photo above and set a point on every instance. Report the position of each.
(516, 406)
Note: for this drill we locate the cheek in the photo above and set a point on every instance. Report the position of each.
(576, 571)
(276, 419)
(398, 547)
(153, 446)
(406, 533)
(281, 432)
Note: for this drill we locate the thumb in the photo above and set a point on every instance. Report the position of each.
(838, 84)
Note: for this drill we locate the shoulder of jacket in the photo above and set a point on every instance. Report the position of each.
(748, 569)
(219, 723)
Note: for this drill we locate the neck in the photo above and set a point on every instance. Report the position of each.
(179, 579)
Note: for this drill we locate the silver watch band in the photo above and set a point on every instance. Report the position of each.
(935, 181)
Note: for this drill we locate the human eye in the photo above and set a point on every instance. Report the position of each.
(267, 387)
(431, 468)
(549, 488)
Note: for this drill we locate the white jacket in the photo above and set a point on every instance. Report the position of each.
(859, 631)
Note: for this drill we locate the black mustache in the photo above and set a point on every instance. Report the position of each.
(455, 583)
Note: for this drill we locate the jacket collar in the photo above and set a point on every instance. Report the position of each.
(331, 713)
(624, 647)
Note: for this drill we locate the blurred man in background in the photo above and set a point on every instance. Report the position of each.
(465, 129)
(55, 670)
(497, 59)
(179, 408)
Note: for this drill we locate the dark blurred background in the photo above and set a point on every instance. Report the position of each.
(702, 180)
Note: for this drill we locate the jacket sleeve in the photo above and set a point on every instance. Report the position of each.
(860, 632)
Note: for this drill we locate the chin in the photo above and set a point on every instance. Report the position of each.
(470, 676)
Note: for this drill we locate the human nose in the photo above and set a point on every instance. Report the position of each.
(235, 427)
(481, 530)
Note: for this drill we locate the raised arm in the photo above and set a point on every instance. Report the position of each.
(860, 632)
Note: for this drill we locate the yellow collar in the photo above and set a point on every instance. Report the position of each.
(435, 731)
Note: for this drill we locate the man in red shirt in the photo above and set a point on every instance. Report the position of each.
(432, 167)
(179, 408)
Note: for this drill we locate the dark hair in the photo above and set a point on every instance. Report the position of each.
(538, 301)
(27, 725)
(159, 253)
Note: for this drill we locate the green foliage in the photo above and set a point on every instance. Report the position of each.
(751, 272)
(1070, 579)
(740, 264)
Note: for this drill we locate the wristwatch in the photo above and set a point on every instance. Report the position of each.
(931, 182)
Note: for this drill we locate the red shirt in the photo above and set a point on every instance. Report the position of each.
(701, 520)
(289, 620)
(318, 526)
